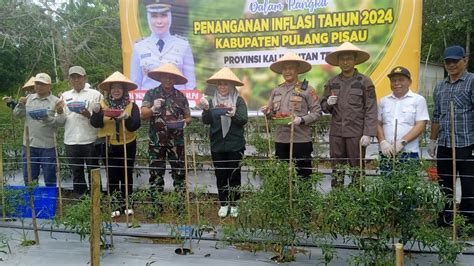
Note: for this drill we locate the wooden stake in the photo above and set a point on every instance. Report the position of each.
(453, 148)
(2, 182)
(95, 218)
(125, 169)
(361, 166)
(195, 179)
(186, 182)
(30, 183)
(399, 254)
(267, 129)
(394, 157)
(58, 176)
(290, 163)
(109, 202)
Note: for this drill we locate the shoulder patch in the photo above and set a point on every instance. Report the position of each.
(181, 37)
(313, 94)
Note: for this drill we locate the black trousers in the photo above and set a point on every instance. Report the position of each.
(301, 153)
(228, 175)
(116, 166)
(465, 170)
(78, 156)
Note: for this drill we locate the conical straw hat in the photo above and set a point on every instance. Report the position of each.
(361, 55)
(119, 78)
(29, 85)
(171, 69)
(303, 66)
(225, 74)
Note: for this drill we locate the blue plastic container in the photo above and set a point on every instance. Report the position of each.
(76, 106)
(175, 124)
(38, 114)
(45, 199)
(218, 111)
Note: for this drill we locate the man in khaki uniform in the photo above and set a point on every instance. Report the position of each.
(350, 98)
(296, 98)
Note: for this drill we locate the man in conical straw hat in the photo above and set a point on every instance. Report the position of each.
(28, 87)
(300, 101)
(166, 106)
(227, 137)
(350, 98)
(107, 116)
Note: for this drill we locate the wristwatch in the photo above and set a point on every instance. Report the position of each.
(404, 142)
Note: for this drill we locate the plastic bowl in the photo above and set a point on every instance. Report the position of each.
(112, 112)
(281, 120)
(76, 106)
(38, 114)
(178, 124)
(218, 111)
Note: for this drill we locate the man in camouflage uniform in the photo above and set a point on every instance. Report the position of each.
(298, 99)
(165, 106)
(350, 98)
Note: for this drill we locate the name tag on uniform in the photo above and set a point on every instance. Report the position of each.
(145, 55)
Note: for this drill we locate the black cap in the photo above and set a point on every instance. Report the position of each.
(454, 52)
(158, 6)
(399, 70)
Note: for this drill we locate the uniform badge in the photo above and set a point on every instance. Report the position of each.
(145, 55)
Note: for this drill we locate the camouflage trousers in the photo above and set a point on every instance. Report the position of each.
(175, 157)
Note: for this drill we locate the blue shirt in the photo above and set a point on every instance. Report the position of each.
(461, 93)
(146, 57)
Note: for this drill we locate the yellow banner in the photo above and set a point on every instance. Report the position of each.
(201, 36)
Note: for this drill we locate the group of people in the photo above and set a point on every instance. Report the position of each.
(349, 97)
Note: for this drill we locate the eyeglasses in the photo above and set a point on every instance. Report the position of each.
(451, 61)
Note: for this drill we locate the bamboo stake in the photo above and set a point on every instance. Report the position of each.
(95, 218)
(30, 183)
(58, 176)
(186, 182)
(125, 169)
(360, 166)
(290, 163)
(109, 202)
(2, 182)
(399, 254)
(453, 148)
(395, 144)
(195, 179)
(267, 129)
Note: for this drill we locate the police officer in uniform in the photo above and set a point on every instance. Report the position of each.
(295, 98)
(161, 47)
(350, 98)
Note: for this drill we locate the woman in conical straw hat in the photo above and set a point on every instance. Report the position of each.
(226, 114)
(350, 98)
(168, 111)
(27, 88)
(300, 101)
(107, 116)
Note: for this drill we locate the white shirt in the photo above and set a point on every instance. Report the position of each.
(406, 111)
(78, 129)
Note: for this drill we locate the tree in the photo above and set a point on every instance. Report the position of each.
(446, 23)
(50, 38)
